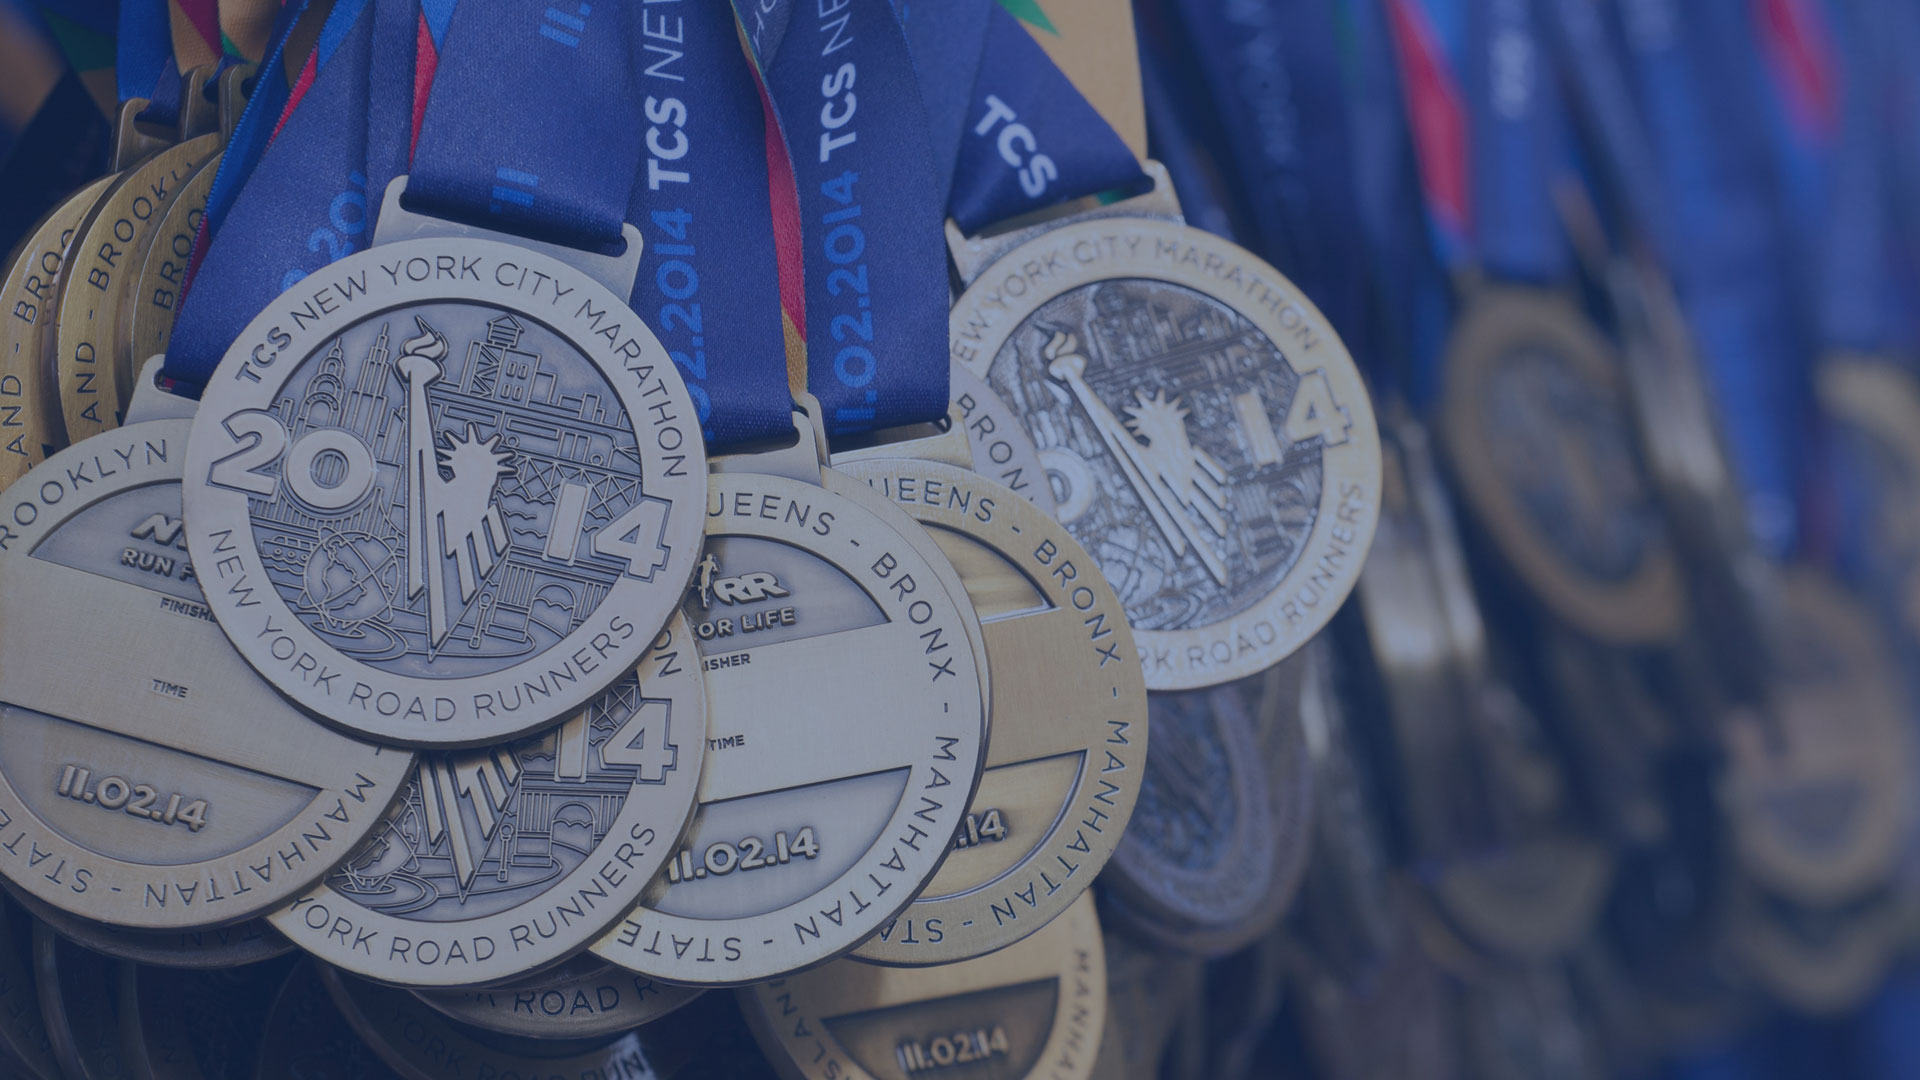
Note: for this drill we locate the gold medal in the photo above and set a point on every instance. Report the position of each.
(1032, 1011)
(1537, 425)
(154, 299)
(501, 861)
(87, 345)
(1208, 436)
(1070, 717)
(30, 423)
(1820, 789)
(165, 787)
(846, 727)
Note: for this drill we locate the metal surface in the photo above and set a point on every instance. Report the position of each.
(1036, 1010)
(153, 300)
(32, 427)
(120, 694)
(195, 1025)
(86, 347)
(249, 942)
(1537, 426)
(470, 495)
(846, 725)
(1001, 448)
(1820, 789)
(584, 998)
(1233, 504)
(498, 862)
(1069, 714)
(420, 1044)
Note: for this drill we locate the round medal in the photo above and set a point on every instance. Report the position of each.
(23, 1033)
(821, 813)
(154, 299)
(87, 342)
(1537, 427)
(30, 425)
(500, 861)
(79, 1001)
(1820, 789)
(305, 1036)
(1819, 961)
(1002, 449)
(147, 778)
(1032, 1011)
(1201, 851)
(218, 947)
(1070, 718)
(1207, 434)
(448, 489)
(584, 998)
(420, 1044)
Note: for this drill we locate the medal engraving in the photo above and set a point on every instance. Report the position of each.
(30, 424)
(821, 812)
(1002, 449)
(154, 299)
(1206, 434)
(1070, 738)
(166, 787)
(582, 999)
(1036, 1010)
(448, 510)
(87, 344)
(501, 860)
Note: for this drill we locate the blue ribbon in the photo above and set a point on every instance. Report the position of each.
(285, 205)
(843, 83)
(143, 48)
(1018, 135)
(709, 283)
(1519, 142)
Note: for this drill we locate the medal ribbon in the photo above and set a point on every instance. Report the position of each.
(1011, 133)
(842, 82)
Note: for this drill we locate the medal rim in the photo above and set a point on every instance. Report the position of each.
(1647, 608)
(123, 908)
(1027, 522)
(690, 696)
(124, 943)
(101, 326)
(139, 305)
(646, 604)
(1079, 935)
(854, 495)
(1357, 461)
(458, 1004)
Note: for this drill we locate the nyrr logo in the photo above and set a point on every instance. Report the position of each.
(744, 589)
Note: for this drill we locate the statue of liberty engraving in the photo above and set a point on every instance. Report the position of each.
(454, 527)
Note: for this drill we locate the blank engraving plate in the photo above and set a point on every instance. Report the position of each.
(148, 778)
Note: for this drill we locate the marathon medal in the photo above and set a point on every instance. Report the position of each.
(200, 947)
(1069, 713)
(165, 786)
(499, 861)
(1209, 439)
(584, 998)
(445, 487)
(1034, 1011)
(821, 816)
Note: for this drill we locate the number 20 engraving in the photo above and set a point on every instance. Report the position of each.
(325, 468)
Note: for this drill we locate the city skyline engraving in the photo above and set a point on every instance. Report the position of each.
(1192, 500)
(482, 553)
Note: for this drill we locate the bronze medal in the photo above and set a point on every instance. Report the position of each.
(1208, 436)
(1035, 1010)
(154, 298)
(1538, 428)
(1070, 721)
(32, 427)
